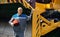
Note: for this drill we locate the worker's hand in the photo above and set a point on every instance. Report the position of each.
(12, 24)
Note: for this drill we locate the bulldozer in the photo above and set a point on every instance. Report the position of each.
(45, 16)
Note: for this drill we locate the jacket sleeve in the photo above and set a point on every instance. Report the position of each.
(10, 22)
(28, 18)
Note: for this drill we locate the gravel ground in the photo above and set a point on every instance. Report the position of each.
(7, 31)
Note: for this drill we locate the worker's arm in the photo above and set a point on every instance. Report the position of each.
(10, 22)
(28, 18)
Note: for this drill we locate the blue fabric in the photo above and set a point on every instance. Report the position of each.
(16, 15)
(19, 30)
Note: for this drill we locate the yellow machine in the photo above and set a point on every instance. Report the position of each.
(42, 23)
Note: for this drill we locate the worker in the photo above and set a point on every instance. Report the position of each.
(18, 22)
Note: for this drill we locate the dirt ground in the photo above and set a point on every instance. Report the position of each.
(7, 31)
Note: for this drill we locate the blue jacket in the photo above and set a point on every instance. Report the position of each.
(22, 16)
(22, 19)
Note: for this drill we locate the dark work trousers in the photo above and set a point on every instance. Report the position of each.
(19, 31)
(20, 28)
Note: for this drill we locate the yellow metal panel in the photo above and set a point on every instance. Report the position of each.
(3, 1)
(35, 25)
(19, 1)
(56, 4)
(14, 1)
(27, 5)
(48, 28)
(49, 25)
(58, 23)
(11, 1)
